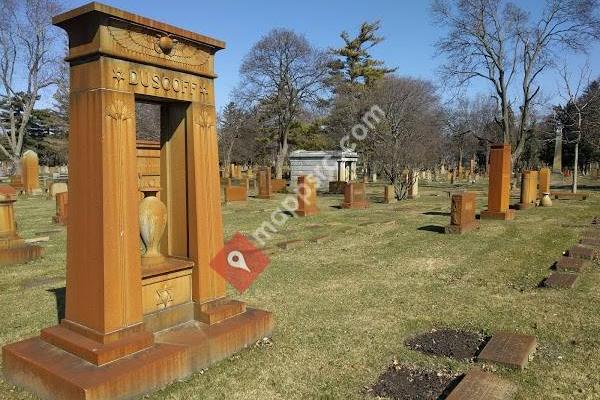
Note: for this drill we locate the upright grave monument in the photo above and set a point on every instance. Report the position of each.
(62, 207)
(236, 193)
(13, 249)
(544, 178)
(307, 196)
(529, 190)
(134, 322)
(265, 188)
(389, 194)
(30, 172)
(462, 214)
(499, 185)
(355, 195)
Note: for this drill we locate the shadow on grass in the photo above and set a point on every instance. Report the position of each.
(60, 295)
(432, 228)
(437, 213)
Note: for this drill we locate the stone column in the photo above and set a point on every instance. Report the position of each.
(528, 190)
(499, 184)
(30, 172)
(544, 181)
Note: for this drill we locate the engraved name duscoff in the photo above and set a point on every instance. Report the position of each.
(158, 82)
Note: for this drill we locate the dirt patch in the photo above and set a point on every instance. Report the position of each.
(404, 383)
(460, 345)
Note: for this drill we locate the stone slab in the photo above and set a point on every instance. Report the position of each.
(569, 264)
(320, 239)
(507, 215)
(591, 242)
(509, 349)
(480, 385)
(570, 196)
(583, 252)
(562, 280)
(290, 244)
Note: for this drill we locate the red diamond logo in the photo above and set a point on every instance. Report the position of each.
(240, 262)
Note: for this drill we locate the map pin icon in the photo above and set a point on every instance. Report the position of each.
(235, 259)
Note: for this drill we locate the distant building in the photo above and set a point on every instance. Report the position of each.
(327, 166)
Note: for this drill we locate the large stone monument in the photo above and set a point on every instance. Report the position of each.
(132, 326)
(499, 185)
(13, 249)
(545, 179)
(330, 166)
(307, 196)
(529, 190)
(462, 214)
(30, 172)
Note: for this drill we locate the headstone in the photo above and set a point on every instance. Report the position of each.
(13, 249)
(389, 194)
(265, 190)
(544, 181)
(279, 185)
(31, 172)
(462, 214)
(529, 187)
(413, 187)
(480, 385)
(132, 327)
(307, 196)
(509, 349)
(569, 264)
(499, 185)
(57, 187)
(62, 200)
(355, 195)
(290, 244)
(562, 280)
(235, 193)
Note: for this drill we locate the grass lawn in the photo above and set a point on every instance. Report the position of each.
(343, 308)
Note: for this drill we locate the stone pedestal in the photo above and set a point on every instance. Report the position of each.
(389, 195)
(13, 249)
(462, 214)
(544, 177)
(61, 216)
(355, 195)
(236, 193)
(307, 197)
(499, 184)
(265, 188)
(130, 330)
(529, 190)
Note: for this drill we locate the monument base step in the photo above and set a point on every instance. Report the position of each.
(52, 373)
(460, 229)
(570, 196)
(507, 215)
(356, 205)
(21, 254)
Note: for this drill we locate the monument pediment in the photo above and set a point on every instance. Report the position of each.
(96, 29)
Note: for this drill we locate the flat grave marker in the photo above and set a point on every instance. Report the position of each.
(320, 239)
(569, 264)
(562, 280)
(583, 252)
(480, 385)
(290, 244)
(509, 349)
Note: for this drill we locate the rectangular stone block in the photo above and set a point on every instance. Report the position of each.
(562, 280)
(569, 264)
(583, 252)
(509, 349)
(480, 385)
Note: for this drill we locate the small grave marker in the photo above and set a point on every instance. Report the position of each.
(509, 349)
(568, 264)
(290, 244)
(583, 252)
(562, 280)
(480, 385)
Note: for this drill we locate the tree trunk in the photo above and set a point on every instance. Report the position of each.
(575, 167)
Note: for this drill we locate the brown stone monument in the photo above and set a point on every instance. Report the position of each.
(265, 188)
(545, 177)
(30, 172)
(462, 214)
(62, 200)
(131, 327)
(235, 193)
(307, 196)
(13, 249)
(499, 185)
(529, 190)
(355, 195)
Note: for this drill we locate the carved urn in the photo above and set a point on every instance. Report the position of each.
(153, 221)
(546, 201)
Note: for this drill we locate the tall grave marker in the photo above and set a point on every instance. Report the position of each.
(499, 185)
(131, 327)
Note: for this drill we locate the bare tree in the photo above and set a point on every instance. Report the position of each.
(499, 42)
(281, 75)
(28, 64)
(408, 135)
(575, 111)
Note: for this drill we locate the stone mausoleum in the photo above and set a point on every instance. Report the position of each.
(328, 166)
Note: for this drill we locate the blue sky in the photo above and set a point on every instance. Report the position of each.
(410, 35)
